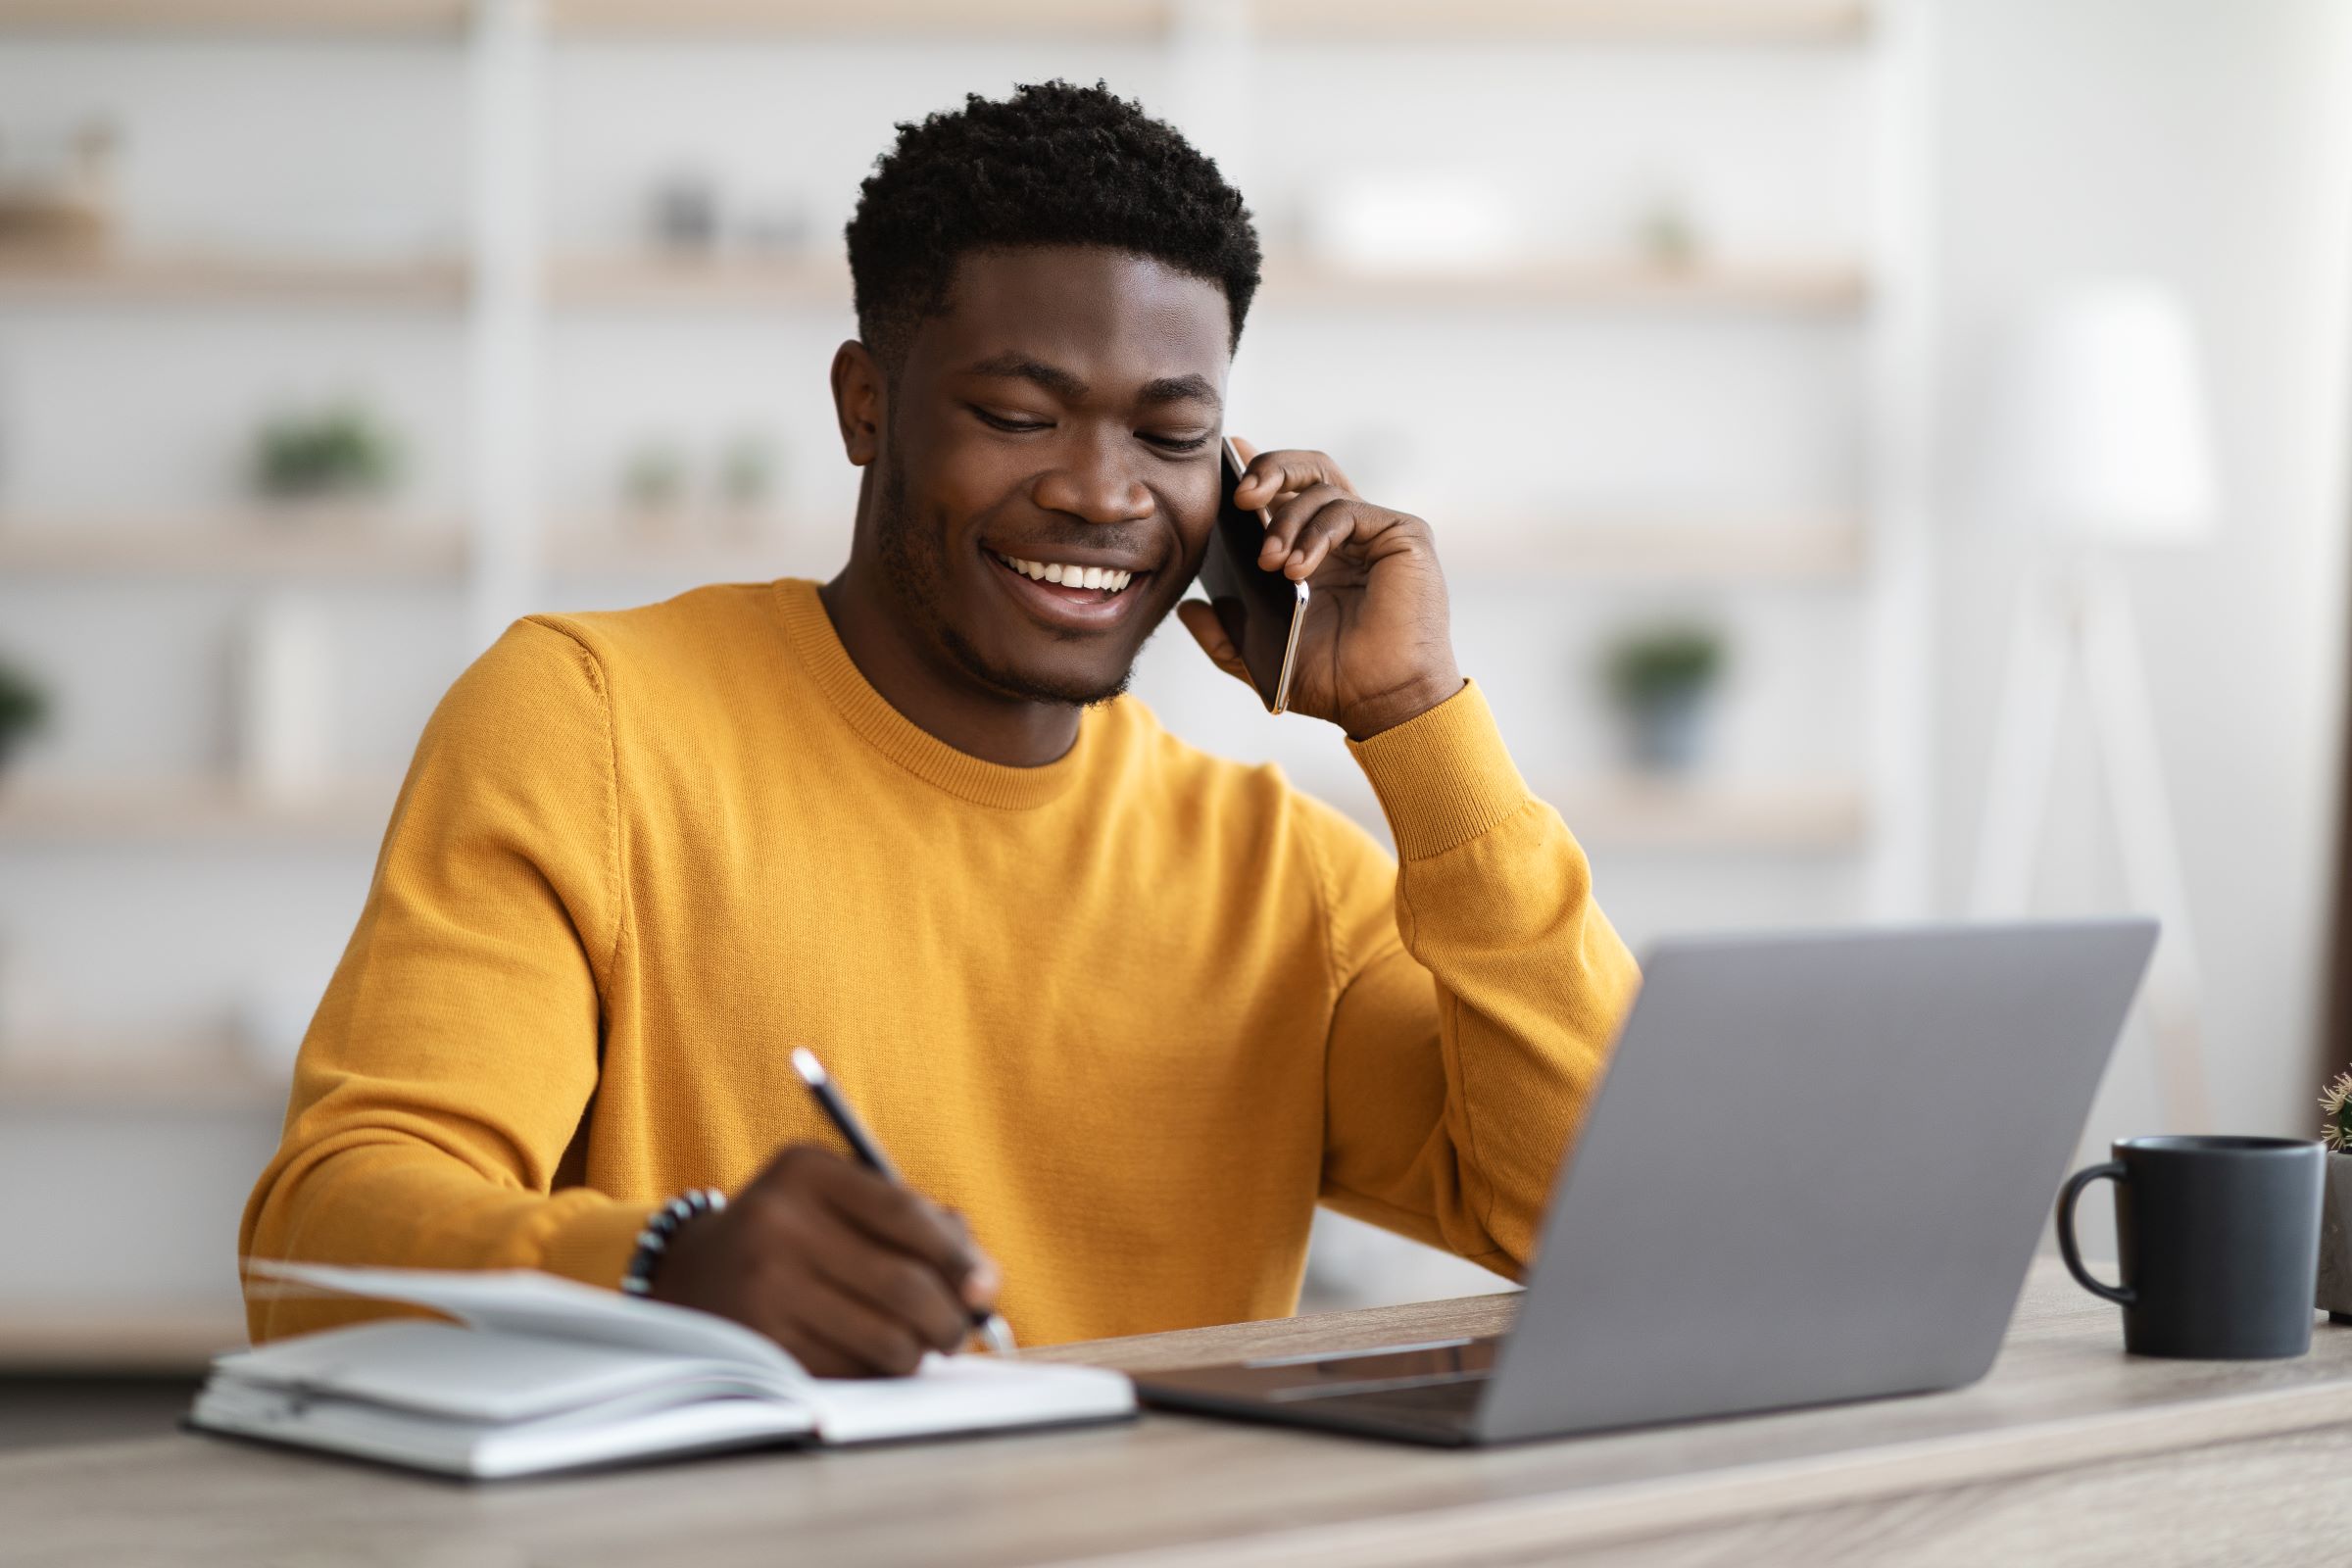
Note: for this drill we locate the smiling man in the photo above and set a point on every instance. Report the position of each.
(1122, 1013)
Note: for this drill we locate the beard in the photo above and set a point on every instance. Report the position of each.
(914, 569)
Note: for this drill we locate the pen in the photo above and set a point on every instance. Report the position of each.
(990, 1326)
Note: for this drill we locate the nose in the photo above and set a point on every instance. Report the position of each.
(1095, 484)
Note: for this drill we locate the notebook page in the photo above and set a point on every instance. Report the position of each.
(485, 1374)
(524, 1301)
(965, 1394)
(645, 1427)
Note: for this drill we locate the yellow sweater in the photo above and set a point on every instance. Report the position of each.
(1134, 1013)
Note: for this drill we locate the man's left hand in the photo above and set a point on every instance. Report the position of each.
(1376, 649)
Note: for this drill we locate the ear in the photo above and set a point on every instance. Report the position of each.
(859, 395)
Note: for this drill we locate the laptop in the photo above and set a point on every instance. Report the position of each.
(1817, 1171)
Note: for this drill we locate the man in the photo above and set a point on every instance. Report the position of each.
(1126, 1011)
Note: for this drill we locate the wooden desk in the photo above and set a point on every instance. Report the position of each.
(2067, 1453)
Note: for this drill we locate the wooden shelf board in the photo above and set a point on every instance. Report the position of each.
(1793, 551)
(1655, 21)
(184, 811)
(111, 1338)
(698, 553)
(296, 545)
(330, 17)
(915, 19)
(1701, 814)
(29, 274)
(805, 280)
(1645, 21)
(722, 279)
(203, 1077)
(1651, 22)
(1820, 287)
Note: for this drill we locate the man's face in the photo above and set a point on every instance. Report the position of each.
(1065, 413)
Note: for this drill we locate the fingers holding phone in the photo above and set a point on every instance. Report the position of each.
(1257, 612)
(1361, 636)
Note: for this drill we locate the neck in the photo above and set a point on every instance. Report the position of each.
(928, 688)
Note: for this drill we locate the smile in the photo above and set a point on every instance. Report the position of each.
(1068, 575)
(1068, 595)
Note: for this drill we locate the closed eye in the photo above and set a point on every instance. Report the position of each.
(999, 421)
(1177, 443)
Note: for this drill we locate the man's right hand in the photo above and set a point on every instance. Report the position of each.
(855, 1275)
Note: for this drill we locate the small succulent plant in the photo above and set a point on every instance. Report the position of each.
(334, 453)
(24, 707)
(1661, 664)
(2335, 1111)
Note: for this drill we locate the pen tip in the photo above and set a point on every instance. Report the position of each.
(804, 1061)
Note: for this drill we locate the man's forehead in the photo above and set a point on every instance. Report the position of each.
(1114, 320)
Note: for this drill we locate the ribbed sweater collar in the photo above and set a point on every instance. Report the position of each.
(867, 710)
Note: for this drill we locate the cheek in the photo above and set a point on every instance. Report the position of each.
(1192, 502)
(959, 478)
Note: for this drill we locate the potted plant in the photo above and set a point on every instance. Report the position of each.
(336, 454)
(1660, 679)
(2335, 1214)
(23, 709)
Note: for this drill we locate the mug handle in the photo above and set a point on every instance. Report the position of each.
(2112, 1170)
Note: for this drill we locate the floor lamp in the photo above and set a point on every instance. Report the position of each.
(2100, 442)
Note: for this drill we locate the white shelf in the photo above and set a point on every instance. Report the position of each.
(1806, 288)
(1709, 22)
(296, 545)
(1655, 21)
(30, 275)
(1701, 814)
(197, 809)
(917, 20)
(200, 1077)
(107, 1336)
(334, 18)
(807, 280)
(1766, 550)
(796, 278)
(700, 553)
(1763, 552)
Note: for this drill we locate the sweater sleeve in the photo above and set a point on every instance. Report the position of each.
(447, 1070)
(1480, 987)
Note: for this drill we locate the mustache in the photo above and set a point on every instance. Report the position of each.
(1139, 544)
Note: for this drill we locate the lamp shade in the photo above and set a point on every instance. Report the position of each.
(2098, 424)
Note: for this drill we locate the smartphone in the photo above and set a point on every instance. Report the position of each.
(1260, 611)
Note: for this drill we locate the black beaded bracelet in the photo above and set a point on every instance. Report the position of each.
(653, 1240)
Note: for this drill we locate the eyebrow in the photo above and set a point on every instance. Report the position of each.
(1069, 387)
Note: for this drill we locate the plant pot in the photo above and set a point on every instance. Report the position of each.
(2336, 1242)
(1668, 730)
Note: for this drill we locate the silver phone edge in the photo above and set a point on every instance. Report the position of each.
(1290, 653)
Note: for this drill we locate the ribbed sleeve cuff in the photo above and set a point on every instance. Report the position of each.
(1445, 777)
(594, 1245)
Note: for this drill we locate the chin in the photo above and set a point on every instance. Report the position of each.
(1036, 675)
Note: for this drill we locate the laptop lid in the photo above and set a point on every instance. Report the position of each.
(1817, 1170)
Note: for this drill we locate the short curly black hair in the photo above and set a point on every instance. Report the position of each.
(1053, 165)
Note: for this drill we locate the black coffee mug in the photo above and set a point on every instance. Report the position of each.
(2217, 1240)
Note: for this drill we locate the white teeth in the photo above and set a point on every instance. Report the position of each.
(1070, 576)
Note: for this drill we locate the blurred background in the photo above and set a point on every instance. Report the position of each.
(336, 333)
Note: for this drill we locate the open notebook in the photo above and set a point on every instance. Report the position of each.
(546, 1374)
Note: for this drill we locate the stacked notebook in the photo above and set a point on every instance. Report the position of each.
(542, 1374)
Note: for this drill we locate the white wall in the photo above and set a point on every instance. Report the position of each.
(2201, 141)
(2207, 145)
